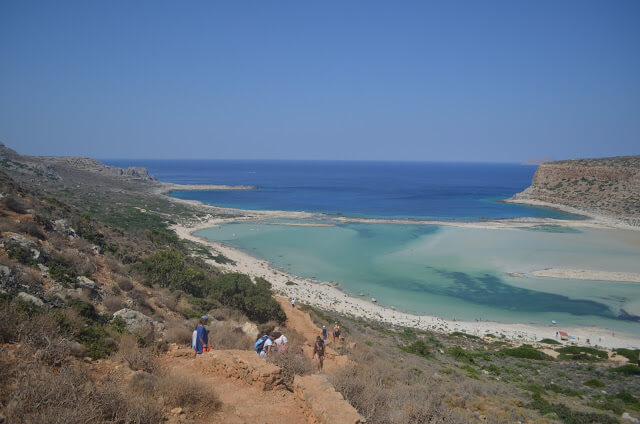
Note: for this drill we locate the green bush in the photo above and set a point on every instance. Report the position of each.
(567, 391)
(550, 341)
(526, 352)
(169, 268)
(21, 254)
(630, 354)
(419, 347)
(465, 335)
(580, 353)
(566, 414)
(594, 382)
(627, 369)
(459, 354)
(60, 271)
(239, 292)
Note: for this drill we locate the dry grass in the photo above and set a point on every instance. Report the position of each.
(124, 283)
(179, 333)
(187, 392)
(113, 303)
(67, 395)
(292, 365)
(136, 357)
(228, 314)
(229, 336)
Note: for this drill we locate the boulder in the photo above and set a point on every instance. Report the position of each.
(626, 417)
(5, 271)
(134, 320)
(250, 329)
(31, 299)
(326, 404)
(86, 283)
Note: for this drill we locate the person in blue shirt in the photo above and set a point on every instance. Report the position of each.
(324, 333)
(202, 338)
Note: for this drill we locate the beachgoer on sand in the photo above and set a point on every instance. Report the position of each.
(336, 332)
(202, 338)
(318, 352)
(324, 333)
(281, 343)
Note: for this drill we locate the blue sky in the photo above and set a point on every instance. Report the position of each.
(408, 80)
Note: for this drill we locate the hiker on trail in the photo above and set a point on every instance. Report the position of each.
(293, 303)
(324, 333)
(336, 332)
(318, 352)
(202, 338)
(281, 344)
(263, 346)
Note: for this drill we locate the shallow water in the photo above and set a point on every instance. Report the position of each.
(456, 272)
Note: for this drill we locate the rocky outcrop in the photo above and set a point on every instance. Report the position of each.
(608, 187)
(249, 367)
(92, 165)
(326, 404)
(134, 320)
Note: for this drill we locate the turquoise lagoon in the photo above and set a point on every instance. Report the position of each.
(457, 272)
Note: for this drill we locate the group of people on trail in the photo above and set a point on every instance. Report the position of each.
(318, 345)
(200, 338)
(268, 345)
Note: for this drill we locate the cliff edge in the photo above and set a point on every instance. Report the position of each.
(608, 187)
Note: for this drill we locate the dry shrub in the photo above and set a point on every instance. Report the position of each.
(138, 358)
(228, 314)
(186, 392)
(267, 327)
(229, 336)
(292, 364)
(81, 263)
(141, 300)
(178, 333)
(114, 264)
(14, 204)
(43, 395)
(112, 303)
(379, 395)
(32, 229)
(124, 283)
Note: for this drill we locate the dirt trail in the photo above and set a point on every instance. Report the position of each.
(241, 402)
(247, 403)
(301, 322)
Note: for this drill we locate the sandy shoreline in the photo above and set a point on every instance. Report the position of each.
(165, 188)
(587, 274)
(325, 296)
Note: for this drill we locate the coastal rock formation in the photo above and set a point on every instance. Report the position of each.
(608, 187)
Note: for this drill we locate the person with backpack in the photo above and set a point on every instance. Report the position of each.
(336, 332)
(263, 346)
(318, 352)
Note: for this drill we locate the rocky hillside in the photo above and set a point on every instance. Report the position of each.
(607, 186)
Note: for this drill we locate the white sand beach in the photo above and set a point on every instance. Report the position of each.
(325, 296)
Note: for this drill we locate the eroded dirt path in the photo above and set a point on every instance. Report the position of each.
(301, 322)
(241, 402)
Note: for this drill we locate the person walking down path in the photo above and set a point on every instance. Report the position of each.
(202, 338)
(293, 303)
(281, 343)
(267, 348)
(318, 352)
(324, 333)
(336, 332)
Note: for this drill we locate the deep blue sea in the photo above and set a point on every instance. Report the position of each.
(461, 191)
